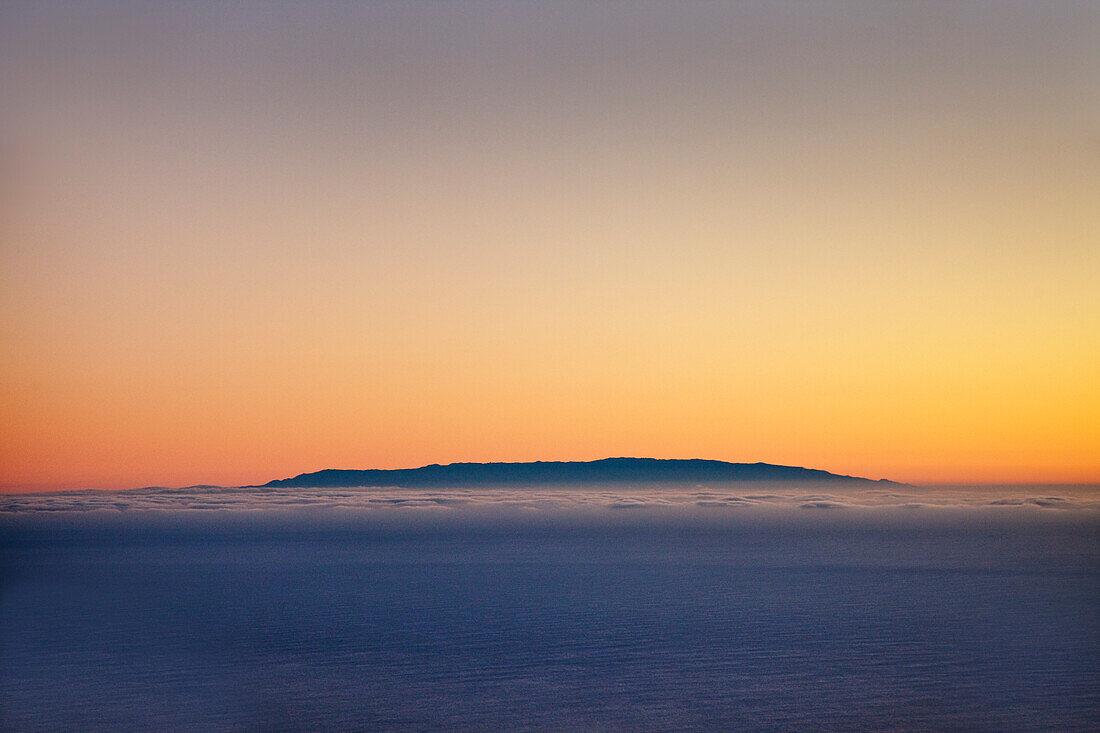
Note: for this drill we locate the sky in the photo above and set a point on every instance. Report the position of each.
(241, 241)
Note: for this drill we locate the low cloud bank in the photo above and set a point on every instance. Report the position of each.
(679, 500)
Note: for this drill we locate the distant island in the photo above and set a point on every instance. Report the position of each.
(543, 473)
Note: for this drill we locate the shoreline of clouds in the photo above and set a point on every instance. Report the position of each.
(699, 499)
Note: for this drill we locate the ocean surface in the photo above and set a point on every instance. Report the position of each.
(747, 608)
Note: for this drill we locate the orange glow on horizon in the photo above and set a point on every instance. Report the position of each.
(453, 235)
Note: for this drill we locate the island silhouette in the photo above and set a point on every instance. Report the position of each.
(541, 473)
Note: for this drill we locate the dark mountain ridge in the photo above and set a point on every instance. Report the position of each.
(605, 471)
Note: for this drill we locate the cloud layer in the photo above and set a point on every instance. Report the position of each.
(679, 500)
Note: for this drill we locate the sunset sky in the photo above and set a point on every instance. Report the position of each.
(239, 241)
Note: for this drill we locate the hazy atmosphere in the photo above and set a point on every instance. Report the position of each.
(549, 366)
(245, 240)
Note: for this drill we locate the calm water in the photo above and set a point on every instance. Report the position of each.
(606, 620)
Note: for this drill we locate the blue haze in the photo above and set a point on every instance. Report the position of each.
(462, 616)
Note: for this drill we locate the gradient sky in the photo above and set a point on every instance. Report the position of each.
(242, 241)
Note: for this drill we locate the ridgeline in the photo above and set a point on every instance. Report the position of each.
(543, 473)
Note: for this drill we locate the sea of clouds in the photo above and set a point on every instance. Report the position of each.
(759, 498)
